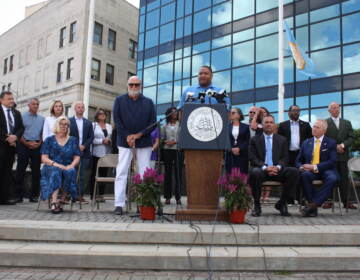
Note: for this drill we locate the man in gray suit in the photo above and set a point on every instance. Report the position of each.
(342, 132)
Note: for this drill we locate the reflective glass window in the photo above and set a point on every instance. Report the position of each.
(179, 28)
(302, 102)
(263, 5)
(243, 78)
(243, 8)
(324, 13)
(352, 113)
(289, 70)
(271, 105)
(166, 57)
(327, 62)
(188, 6)
(243, 35)
(243, 53)
(201, 4)
(245, 108)
(150, 92)
(202, 20)
(186, 67)
(178, 69)
(352, 96)
(267, 47)
(202, 47)
(351, 60)
(142, 24)
(199, 60)
(166, 32)
(139, 74)
(185, 84)
(222, 41)
(167, 13)
(180, 8)
(221, 59)
(187, 26)
(350, 6)
(178, 53)
(267, 28)
(302, 38)
(187, 51)
(301, 19)
(150, 61)
(152, 38)
(221, 14)
(153, 5)
(141, 42)
(325, 34)
(319, 114)
(194, 80)
(164, 94)
(150, 76)
(164, 2)
(222, 80)
(319, 100)
(140, 64)
(152, 19)
(267, 74)
(351, 28)
(177, 91)
(165, 72)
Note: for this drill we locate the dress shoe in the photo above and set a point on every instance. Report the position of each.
(118, 210)
(350, 206)
(327, 205)
(309, 211)
(282, 208)
(33, 200)
(83, 201)
(256, 212)
(167, 201)
(7, 202)
(178, 202)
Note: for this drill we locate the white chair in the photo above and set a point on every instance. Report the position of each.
(354, 166)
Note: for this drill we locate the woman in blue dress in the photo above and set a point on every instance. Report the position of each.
(60, 154)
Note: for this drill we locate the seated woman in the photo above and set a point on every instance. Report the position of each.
(60, 154)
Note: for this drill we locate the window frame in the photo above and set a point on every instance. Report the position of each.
(72, 35)
(109, 80)
(112, 31)
(62, 37)
(69, 68)
(92, 69)
(59, 75)
(97, 24)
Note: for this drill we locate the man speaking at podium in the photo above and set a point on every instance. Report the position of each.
(205, 92)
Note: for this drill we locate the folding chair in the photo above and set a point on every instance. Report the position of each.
(336, 190)
(107, 161)
(354, 166)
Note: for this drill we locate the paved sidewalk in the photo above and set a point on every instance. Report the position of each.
(27, 211)
(66, 274)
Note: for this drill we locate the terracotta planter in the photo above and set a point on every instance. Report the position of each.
(147, 213)
(237, 216)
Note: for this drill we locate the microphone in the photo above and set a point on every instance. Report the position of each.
(190, 97)
(202, 96)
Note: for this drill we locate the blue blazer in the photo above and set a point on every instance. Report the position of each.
(327, 154)
(88, 135)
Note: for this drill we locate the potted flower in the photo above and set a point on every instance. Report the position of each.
(146, 191)
(237, 194)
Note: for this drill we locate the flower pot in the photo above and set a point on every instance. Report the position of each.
(237, 216)
(147, 213)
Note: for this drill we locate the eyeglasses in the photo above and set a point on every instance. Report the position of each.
(133, 85)
(63, 124)
(252, 112)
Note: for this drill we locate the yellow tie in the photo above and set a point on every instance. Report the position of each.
(316, 155)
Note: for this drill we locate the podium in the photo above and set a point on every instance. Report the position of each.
(203, 137)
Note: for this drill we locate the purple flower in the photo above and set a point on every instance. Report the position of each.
(159, 178)
(137, 179)
(235, 173)
(232, 188)
(149, 173)
(222, 181)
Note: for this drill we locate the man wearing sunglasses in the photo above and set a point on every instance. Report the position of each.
(133, 113)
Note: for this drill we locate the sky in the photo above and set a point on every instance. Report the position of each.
(13, 11)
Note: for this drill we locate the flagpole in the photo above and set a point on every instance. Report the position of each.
(281, 89)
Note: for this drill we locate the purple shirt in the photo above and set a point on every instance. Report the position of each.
(155, 134)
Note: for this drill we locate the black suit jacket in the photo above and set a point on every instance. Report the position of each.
(305, 131)
(257, 151)
(19, 127)
(88, 135)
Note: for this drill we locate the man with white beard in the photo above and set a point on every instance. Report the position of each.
(133, 113)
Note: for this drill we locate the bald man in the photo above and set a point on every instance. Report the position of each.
(342, 132)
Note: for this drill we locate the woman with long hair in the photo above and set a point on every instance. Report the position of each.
(56, 110)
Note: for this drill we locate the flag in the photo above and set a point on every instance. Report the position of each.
(303, 63)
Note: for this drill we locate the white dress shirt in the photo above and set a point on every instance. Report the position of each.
(80, 125)
(295, 135)
(336, 121)
(6, 117)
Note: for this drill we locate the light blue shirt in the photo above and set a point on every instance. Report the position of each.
(33, 126)
(191, 95)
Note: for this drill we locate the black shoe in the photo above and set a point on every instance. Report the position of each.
(308, 211)
(256, 212)
(282, 208)
(118, 210)
(159, 212)
(178, 202)
(33, 200)
(7, 202)
(19, 200)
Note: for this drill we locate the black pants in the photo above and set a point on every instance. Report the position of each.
(289, 176)
(26, 155)
(7, 155)
(292, 161)
(173, 160)
(102, 173)
(342, 169)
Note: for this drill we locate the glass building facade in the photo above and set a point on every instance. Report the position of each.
(239, 39)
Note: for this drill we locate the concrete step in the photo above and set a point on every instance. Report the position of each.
(183, 258)
(180, 234)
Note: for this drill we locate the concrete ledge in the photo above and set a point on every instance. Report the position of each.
(147, 233)
(145, 257)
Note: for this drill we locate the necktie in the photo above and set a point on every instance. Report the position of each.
(268, 159)
(316, 155)
(11, 123)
